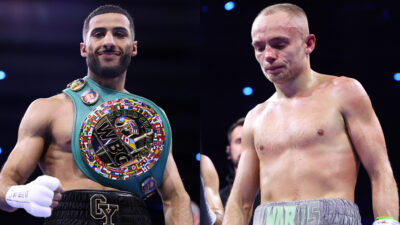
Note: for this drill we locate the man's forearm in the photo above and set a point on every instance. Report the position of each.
(385, 197)
(236, 214)
(4, 186)
(177, 211)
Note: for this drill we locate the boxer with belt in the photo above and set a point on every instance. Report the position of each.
(303, 146)
(102, 149)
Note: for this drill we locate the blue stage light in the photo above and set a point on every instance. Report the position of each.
(2, 75)
(1, 150)
(229, 6)
(247, 91)
(396, 76)
(204, 8)
(198, 156)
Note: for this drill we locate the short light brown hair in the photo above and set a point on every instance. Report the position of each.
(289, 8)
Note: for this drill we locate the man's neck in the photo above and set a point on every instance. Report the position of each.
(299, 84)
(116, 83)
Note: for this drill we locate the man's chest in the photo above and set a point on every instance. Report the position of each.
(298, 124)
(61, 127)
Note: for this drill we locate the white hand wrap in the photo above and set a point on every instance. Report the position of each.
(386, 222)
(35, 197)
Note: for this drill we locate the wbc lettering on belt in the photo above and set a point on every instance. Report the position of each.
(122, 138)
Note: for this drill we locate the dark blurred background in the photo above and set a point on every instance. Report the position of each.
(359, 39)
(39, 52)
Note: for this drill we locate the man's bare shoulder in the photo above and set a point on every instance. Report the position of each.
(59, 98)
(50, 103)
(343, 81)
(348, 92)
(255, 114)
(339, 83)
(42, 112)
(260, 108)
(347, 88)
(45, 107)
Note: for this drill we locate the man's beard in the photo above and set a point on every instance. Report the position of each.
(92, 61)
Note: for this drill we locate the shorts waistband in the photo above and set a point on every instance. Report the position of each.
(329, 211)
(99, 207)
(123, 198)
(84, 194)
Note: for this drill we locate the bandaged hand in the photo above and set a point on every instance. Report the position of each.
(37, 197)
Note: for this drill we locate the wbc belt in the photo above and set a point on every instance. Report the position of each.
(119, 140)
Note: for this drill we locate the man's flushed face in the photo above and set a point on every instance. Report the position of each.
(109, 45)
(280, 45)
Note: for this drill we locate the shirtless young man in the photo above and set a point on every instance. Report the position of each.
(303, 146)
(50, 125)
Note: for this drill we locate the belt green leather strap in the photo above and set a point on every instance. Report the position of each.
(106, 143)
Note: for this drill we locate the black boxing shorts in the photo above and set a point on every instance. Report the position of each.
(93, 207)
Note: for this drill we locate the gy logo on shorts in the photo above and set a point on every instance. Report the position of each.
(99, 209)
(303, 214)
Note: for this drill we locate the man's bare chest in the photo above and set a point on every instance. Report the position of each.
(61, 129)
(297, 125)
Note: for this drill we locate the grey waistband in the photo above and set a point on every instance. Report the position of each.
(330, 211)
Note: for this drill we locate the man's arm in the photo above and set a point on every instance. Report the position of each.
(28, 150)
(176, 201)
(367, 138)
(211, 187)
(247, 181)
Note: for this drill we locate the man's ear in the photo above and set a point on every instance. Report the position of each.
(228, 152)
(82, 47)
(134, 49)
(310, 43)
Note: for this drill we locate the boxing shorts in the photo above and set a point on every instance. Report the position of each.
(93, 207)
(331, 211)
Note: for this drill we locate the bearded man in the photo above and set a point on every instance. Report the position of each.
(108, 150)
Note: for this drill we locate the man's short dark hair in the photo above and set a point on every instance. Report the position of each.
(107, 9)
(239, 122)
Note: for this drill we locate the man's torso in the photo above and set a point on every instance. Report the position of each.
(303, 147)
(57, 159)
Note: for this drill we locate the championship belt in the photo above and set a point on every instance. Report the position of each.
(119, 140)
